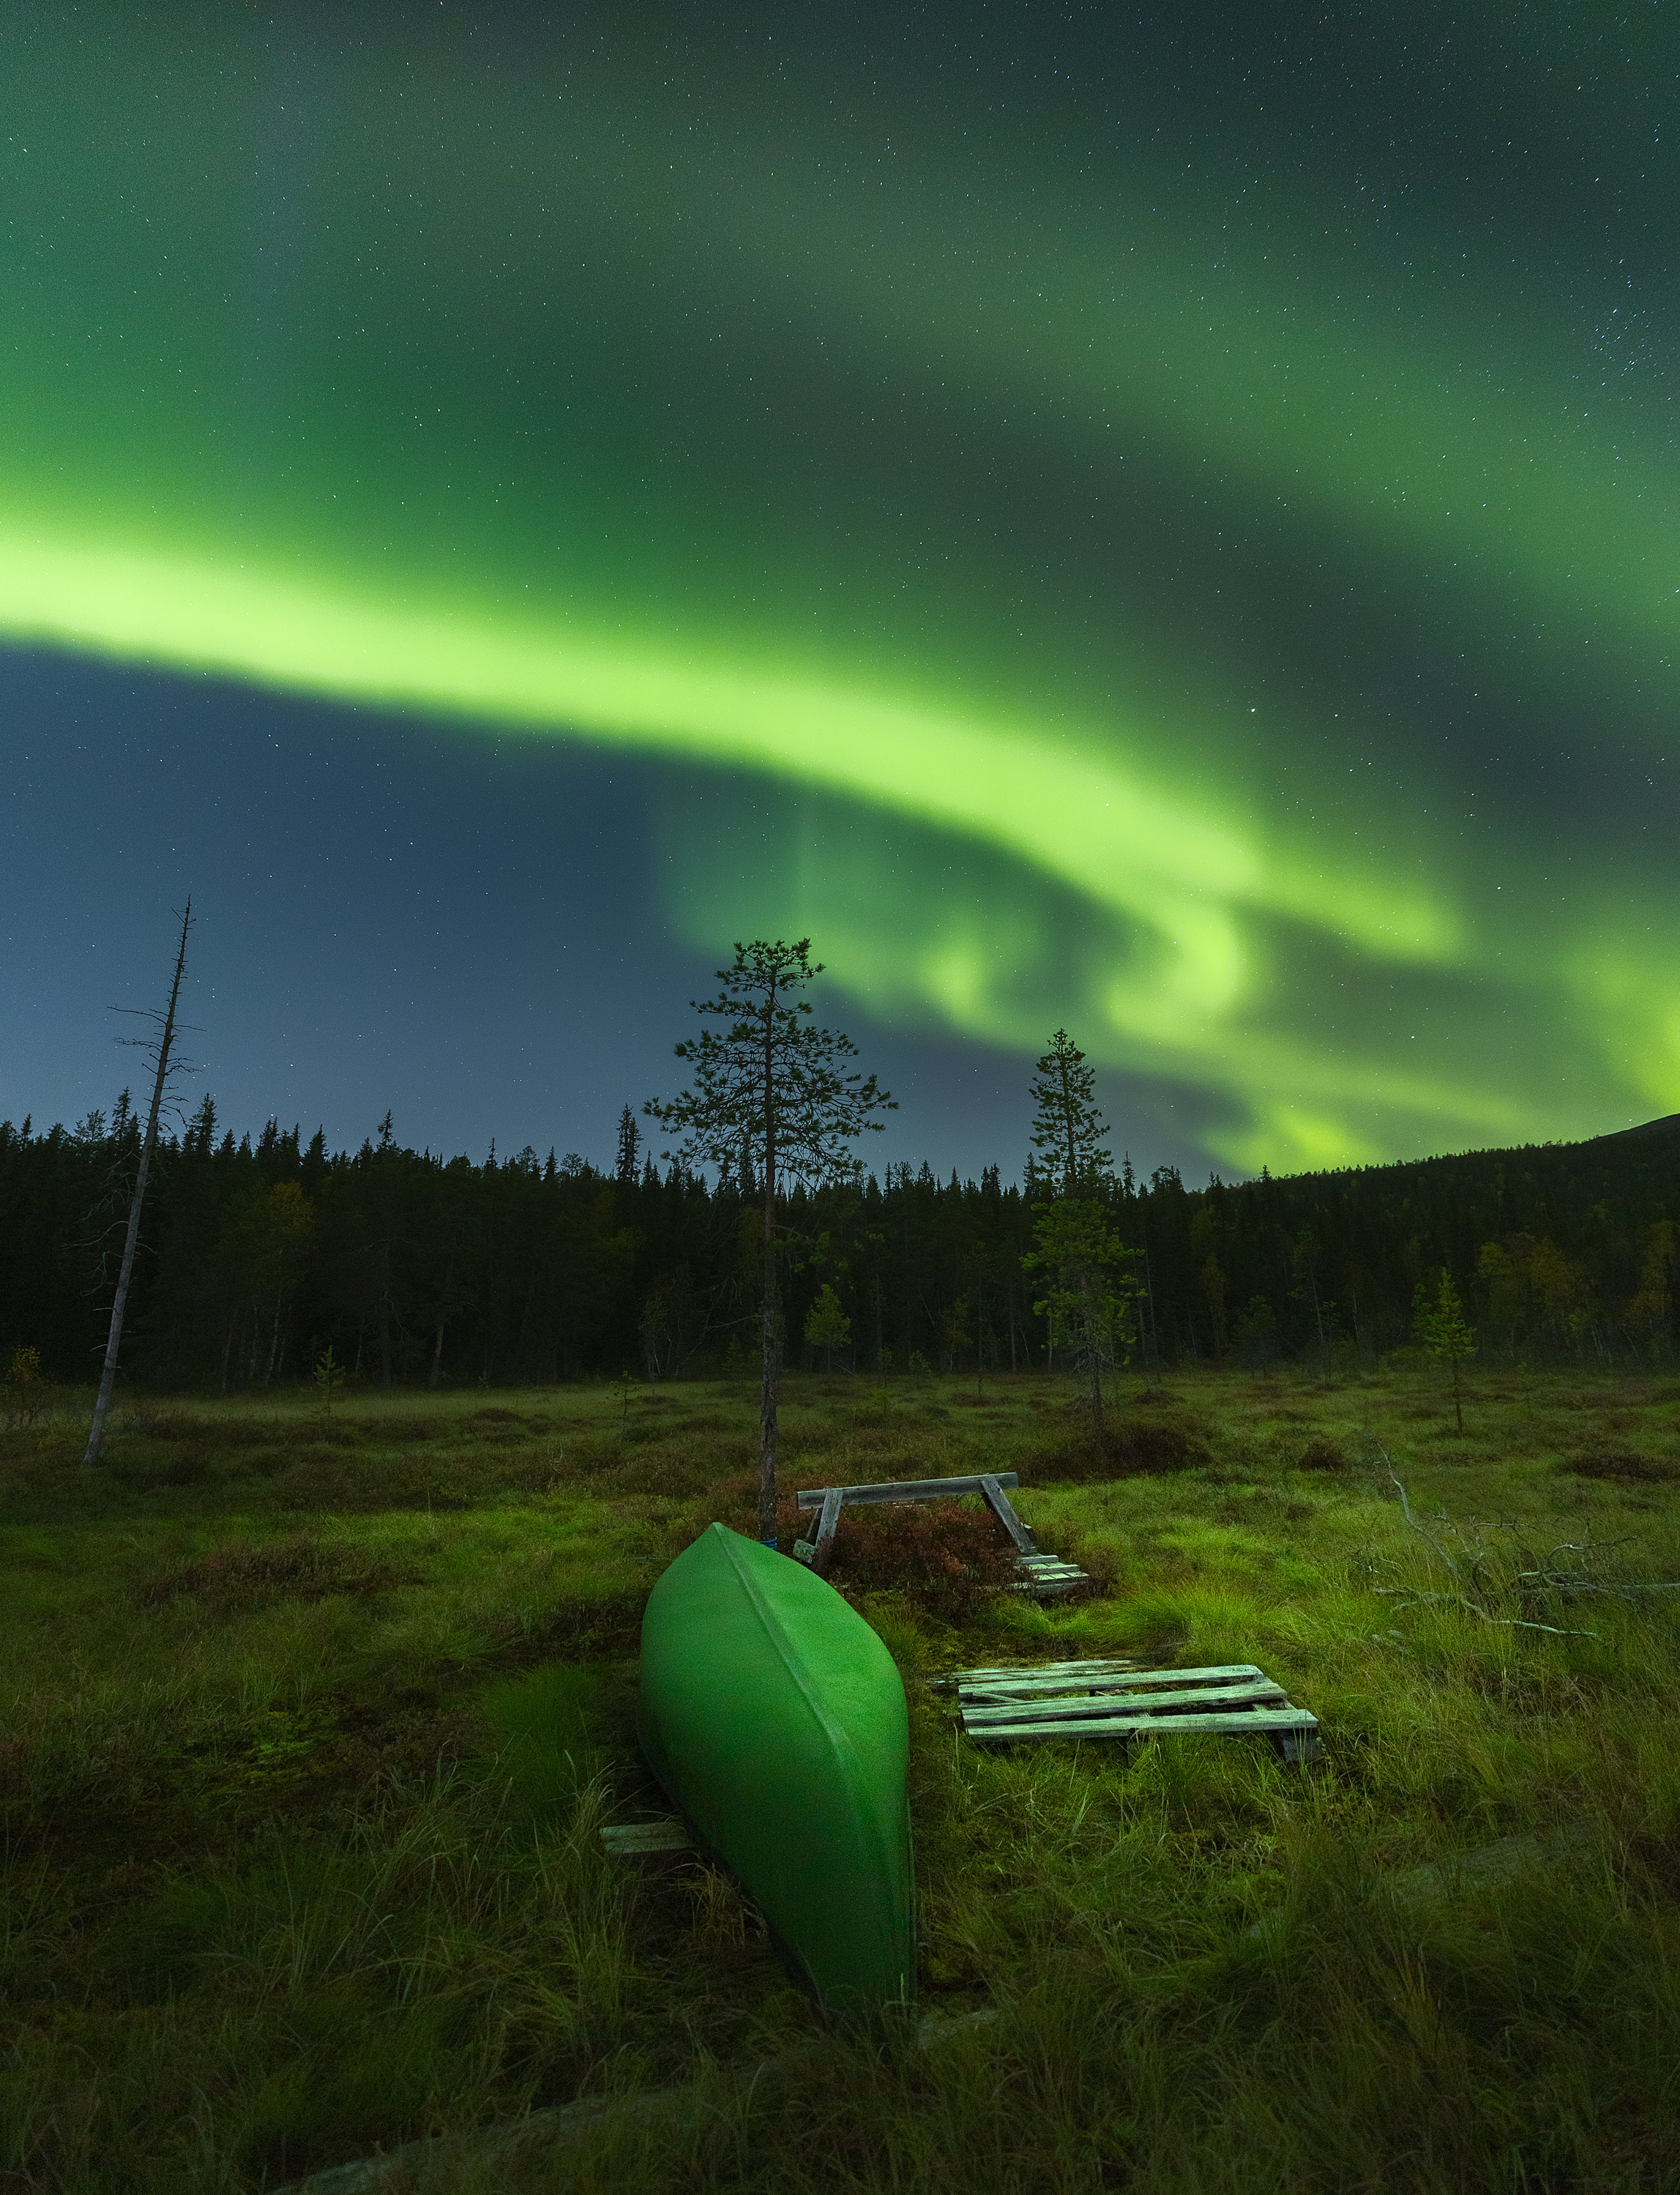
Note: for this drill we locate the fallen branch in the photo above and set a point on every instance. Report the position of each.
(1416, 1599)
(1565, 1583)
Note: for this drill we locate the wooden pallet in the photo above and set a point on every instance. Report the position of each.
(1045, 1577)
(1116, 1699)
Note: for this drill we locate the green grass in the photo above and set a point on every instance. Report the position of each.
(310, 1729)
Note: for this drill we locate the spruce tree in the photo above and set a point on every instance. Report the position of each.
(629, 1150)
(1076, 1248)
(1075, 1253)
(827, 1325)
(772, 1087)
(1441, 1326)
(1070, 1136)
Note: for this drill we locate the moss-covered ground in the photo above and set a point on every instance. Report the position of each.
(311, 1724)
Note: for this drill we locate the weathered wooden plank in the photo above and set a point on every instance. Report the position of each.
(1045, 1669)
(980, 1715)
(1004, 1510)
(901, 1490)
(1056, 1677)
(1146, 1726)
(628, 1840)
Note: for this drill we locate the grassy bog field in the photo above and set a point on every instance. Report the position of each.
(312, 1723)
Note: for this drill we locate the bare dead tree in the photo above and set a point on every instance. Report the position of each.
(159, 1048)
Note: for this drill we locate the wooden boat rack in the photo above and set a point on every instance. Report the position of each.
(1044, 1576)
(1116, 1699)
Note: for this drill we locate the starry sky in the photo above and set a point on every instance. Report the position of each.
(1160, 521)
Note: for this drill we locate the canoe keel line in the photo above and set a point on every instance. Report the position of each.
(776, 1720)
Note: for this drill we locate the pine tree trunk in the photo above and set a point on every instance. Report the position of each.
(114, 1340)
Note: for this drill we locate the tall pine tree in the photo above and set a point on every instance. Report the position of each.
(772, 1087)
(1070, 1136)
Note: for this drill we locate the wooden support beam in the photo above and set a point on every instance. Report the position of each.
(905, 1489)
(824, 1552)
(991, 1486)
(1295, 1746)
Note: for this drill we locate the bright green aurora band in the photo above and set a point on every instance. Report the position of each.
(1109, 588)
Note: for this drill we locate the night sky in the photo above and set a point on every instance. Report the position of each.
(1165, 520)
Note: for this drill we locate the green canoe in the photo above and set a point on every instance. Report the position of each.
(776, 1719)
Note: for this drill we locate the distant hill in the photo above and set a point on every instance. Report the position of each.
(1668, 1126)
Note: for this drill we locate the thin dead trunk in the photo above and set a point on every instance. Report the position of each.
(274, 1335)
(113, 1341)
(767, 1400)
(1094, 1347)
(385, 1314)
(436, 1372)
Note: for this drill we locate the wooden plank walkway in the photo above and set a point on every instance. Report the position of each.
(1045, 1577)
(1115, 1699)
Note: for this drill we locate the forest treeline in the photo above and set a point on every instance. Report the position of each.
(258, 1257)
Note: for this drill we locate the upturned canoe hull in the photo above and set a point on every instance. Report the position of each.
(776, 1719)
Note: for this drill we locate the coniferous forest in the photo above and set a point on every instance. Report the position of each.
(257, 1258)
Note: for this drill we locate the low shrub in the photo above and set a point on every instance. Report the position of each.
(1322, 1455)
(944, 1559)
(413, 1427)
(1132, 1448)
(1620, 1463)
(582, 1628)
(298, 1568)
(141, 1473)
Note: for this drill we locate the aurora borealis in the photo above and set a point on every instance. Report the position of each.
(1171, 529)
